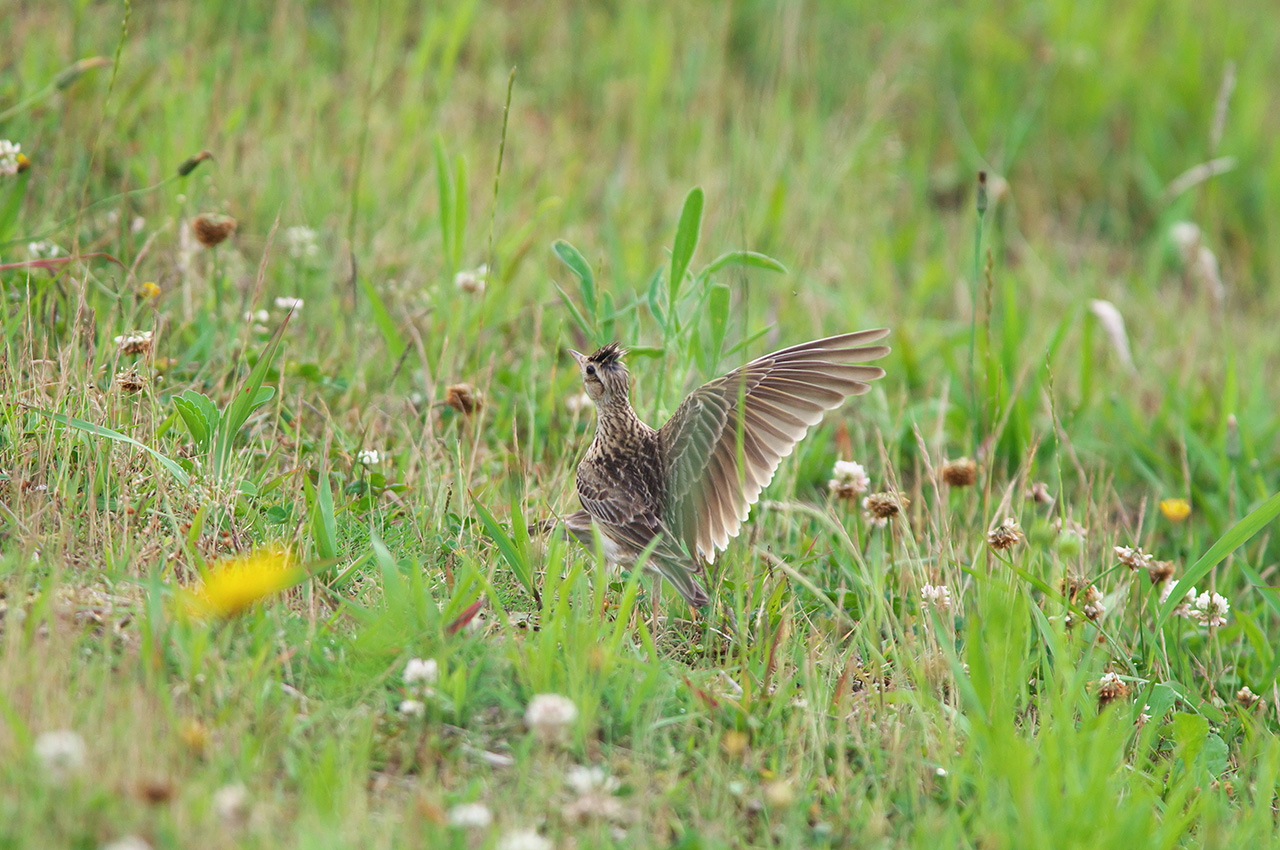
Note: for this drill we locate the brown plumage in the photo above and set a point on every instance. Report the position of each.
(685, 489)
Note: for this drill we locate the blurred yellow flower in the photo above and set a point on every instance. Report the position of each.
(150, 289)
(234, 585)
(1175, 510)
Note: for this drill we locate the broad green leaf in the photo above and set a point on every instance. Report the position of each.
(744, 258)
(581, 269)
(1241, 532)
(686, 241)
(200, 415)
(1188, 732)
(102, 431)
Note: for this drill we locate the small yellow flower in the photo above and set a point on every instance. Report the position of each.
(150, 289)
(1175, 510)
(234, 585)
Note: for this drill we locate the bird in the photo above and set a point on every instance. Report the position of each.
(681, 492)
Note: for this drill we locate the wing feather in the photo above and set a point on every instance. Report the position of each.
(726, 440)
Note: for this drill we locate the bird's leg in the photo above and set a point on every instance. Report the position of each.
(655, 601)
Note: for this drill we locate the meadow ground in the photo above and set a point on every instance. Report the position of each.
(338, 378)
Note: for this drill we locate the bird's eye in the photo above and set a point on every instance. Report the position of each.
(591, 370)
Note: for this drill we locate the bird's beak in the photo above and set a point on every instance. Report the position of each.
(580, 357)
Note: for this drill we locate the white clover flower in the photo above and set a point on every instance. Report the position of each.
(578, 403)
(586, 780)
(257, 316)
(1093, 607)
(549, 716)
(470, 816)
(1133, 557)
(134, 343)
(129, 842)
(1211, 609)
(1184, 609)
(939, 596)
(370, 457)
(471, 280)
(301, 243)
(849, 479)
(231, 804)
(61, 753)
(286, 303)
(137, 225)
(413, 708)
(524, 839)
(421, 671)
(44, 249)
(9, 152)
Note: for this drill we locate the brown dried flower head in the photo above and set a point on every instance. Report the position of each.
(463, 398)
(212, 229)
(885, 506)
(131, 381)
(1006, 535)
(1160, 571)
(1110, 689)
(962, 472)
(1038, 492)
(1247, 698)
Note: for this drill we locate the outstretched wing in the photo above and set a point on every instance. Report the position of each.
(725, 441)
(628, 523)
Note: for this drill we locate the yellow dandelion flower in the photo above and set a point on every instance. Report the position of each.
(234, 585)
(150, 289)
(1175, 510)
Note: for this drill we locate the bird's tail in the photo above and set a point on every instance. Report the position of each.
(683, 576)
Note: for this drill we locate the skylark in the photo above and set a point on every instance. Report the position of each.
(684, 490)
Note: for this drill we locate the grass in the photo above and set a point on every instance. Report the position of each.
(841, 149)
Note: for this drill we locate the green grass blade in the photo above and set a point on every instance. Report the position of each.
(107, 433)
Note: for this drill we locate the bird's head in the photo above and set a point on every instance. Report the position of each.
(605, 379)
